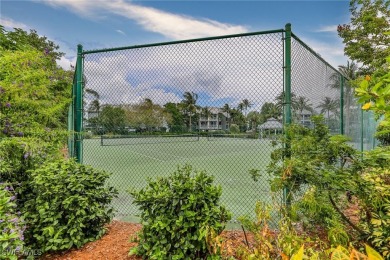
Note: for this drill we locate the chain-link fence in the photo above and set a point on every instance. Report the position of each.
(215, 103)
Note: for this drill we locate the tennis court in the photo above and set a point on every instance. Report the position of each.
(132, 160)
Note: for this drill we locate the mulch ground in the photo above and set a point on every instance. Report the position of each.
(116, 243)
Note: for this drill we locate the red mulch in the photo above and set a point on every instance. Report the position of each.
(115, 244)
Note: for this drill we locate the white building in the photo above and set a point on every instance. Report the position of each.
(216, 120)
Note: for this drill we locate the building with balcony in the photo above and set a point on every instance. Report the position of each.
(216, 120)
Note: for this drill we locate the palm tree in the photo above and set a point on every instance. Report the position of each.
(301, 104)
(96, 102)
(245, 103)
(350, 72)
(270, 110)
(254, 117)
(95, 106)
(189, 102)
(240, 107)
(328, 105)
(280, 101)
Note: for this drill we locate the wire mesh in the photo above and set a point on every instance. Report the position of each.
(217, 104)
(152, 98)
(315, 88)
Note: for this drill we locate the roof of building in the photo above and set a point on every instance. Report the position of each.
(271, 123)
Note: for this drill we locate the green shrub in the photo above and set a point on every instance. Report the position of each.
(375, 199)
(70, 208)
(176, 213)
(11, 225)
(234, 129)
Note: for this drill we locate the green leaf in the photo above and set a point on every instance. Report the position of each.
(372, 254)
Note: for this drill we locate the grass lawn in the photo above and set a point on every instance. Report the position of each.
(229, 160)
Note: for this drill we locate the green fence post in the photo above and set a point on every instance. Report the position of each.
(287, 95)
(79, 105)
(361, 131)
(342, 104)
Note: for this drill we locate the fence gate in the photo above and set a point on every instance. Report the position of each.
(214, 103)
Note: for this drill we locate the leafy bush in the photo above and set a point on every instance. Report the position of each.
(71, 205)
(341, 253)
(11, 225)
(375, 198)
(374, 93)
(176, 213)
(234, 129)
(34, 96)
(285, 243)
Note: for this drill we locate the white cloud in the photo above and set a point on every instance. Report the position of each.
(8, 23)
(173, 26)
(226, 70)
(121, 32)
(66, 63)
(328, 28)
(333, 53)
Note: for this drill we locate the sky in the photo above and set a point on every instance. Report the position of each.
(104, 24)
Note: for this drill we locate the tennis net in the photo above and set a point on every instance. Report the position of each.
(115, 140)
(248, 136)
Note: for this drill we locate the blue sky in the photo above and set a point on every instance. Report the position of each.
(101, 24)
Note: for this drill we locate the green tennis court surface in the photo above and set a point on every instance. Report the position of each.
(228, 159)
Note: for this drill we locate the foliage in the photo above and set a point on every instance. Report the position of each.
(234, 129)
(11, 224)
(341, 253)
(314, 168)
(71, 205)
(322, 173)
(254, 118)
(269, 244)
(189, 107)
(34, 96)
(375, 198)
(365, 36)
(374, 93)
(270, 110)
(20, 40)
(177, 122)
(112, 119)
(147, 115)
(176, 212)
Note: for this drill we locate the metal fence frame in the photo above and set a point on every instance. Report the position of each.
(75, 123)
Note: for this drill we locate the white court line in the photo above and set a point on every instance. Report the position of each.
(151, 157)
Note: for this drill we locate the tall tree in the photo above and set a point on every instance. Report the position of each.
(34, 94)
(113, 119)
(254, 118)
(245, 105)
(365, 37)
(190, 106)
(95, 103)
(269, 110)
(280, 101)
(147, 115)
(22, 40)
(177, 121)
(329, 105)
(301, 104)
